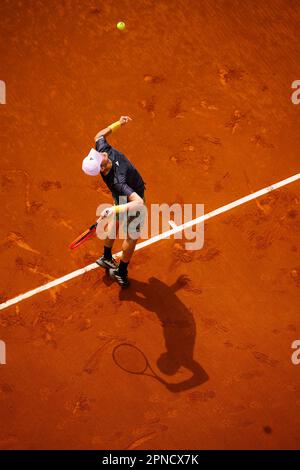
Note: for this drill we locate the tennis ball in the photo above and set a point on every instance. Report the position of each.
(121, 25)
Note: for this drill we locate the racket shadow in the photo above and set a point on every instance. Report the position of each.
(179, 329)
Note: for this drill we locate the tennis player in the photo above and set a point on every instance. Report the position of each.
(127, 188)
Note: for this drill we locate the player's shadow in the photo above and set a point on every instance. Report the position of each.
(178, 324)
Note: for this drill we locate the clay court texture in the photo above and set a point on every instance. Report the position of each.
(208, 87)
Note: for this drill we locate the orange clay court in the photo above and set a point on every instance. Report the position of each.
(208, 87)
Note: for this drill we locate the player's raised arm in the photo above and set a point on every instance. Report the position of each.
(112, 127)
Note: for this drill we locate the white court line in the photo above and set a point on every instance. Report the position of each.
(172, 224)
(155, 239)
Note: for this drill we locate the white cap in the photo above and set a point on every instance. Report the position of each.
(91, 164)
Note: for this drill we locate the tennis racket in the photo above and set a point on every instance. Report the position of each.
(90, 232)
(132, 360)
(84, 237)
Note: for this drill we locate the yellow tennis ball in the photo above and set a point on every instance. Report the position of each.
(121, 25)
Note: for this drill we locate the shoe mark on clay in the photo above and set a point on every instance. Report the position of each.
(250, 375)
(211, 140)
(148, 105)
(57, 218)
(203, 160)
(85, 324)
(267, 238)
(190, 145)
(179, 157)
(49, 185)
(35, 206)
(273, 206)
(229, 74)
(189, 286)
(136, 319)
(295, 276)
(288, 328)
(219, 184)
(13, 318)
(292, 213)
(258, 202)
(245, 346)
(209, 254)
(241, 347)
(89, 258)
(261, 241)
(241, 222)
(277, 208)
(6, 388)
(49, 322)
(81, 405)
(184, 154)
(153, 79)
(205, 105)
(49, 340)
(259, 141)
(51, 213)
(16, 238)
(100, 187)
(182, 255)
(265, 359)
(283, 200)
(213, 323)
(44, 319)
(201, 396)
(8, 180)
(95, 11)
(245, 423)
(152, 417)
(235, 120)
(193, 152)
(200, 145)
(202, 156)
(176, 110)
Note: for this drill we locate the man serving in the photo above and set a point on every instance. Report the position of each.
(127, 188)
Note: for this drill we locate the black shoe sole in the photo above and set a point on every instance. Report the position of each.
(119, 280)
(101, 262)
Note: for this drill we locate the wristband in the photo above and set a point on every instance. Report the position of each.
(116, 125)
(117, 209)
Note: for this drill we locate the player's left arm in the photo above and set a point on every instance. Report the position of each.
(112, 127)
(135, 201)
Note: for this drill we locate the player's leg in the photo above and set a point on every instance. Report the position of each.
(134, 225)
(106, 260)
(121, 273)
